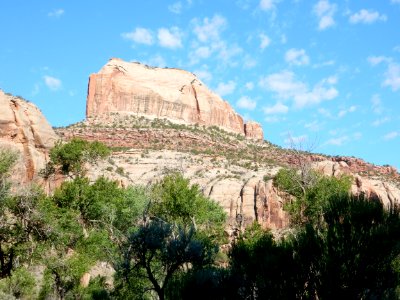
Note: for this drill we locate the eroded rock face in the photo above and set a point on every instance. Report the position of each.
(377, 189)
(24, 129)
(253, 130)
(132, 88)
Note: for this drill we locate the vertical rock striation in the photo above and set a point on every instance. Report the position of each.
(133, 88)
(24, 129)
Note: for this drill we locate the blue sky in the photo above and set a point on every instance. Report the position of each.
(324, 73)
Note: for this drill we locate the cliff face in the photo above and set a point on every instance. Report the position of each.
(24, 129)
(177, 95)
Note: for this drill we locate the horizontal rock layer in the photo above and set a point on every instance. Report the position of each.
(178, 95)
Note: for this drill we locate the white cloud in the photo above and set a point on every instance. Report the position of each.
(337, 141)
(157, 61)
(376, 60)
(139, 35)
(324, 64)
(204, 75)
(265, 41)
(379, 122)
(295, 141)
(273, 119)
(391, 135)
(324, 112)
(367, 17)
(313, 126)
(249, 85)
(395, 1)
(56, 13)
(377, 106)
(286, 86)
(175, 8)
(170, 38)
(249, 62)
(52, 83)
(325, 12)
(392, 77)
(278, 108)
(267, 4)
(344, 112)
(209, 29)
(246, 103)
(203, 52)
(397, 48)
(224, 89)
(228, 52)
(297, 57)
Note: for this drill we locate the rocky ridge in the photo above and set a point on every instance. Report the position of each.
(232, 170)
(137, 89)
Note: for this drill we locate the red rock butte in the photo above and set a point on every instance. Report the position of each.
(135, 89)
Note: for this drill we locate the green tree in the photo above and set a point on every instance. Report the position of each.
(308, 199)
(176, 201)
(179, 231)
(70, 158)
(158, 250)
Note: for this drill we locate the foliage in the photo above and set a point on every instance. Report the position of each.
(22, 229)
(309, 198)
(7, 161)
(175, 201)
(158, 250)
(70, 158)
(20, 285)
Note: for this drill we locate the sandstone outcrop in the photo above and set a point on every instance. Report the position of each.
(373, 188)
(24, 129)
(177, 95)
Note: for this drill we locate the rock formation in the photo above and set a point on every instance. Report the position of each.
(133, 88)
(24, 129)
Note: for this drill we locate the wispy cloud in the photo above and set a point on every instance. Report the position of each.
(209, 29)
(391, 135)
(203, 74)
(286, 86)
(344, 112)
(249, 85)
(56, 13)
(170, 38)
(325, 12)
(224, 89)
(265, 41)
(392, 76)
(377, 106)
(376, 60)
(176, 7)
(297, 57)
(156, 61)
(380, 121)
(313, 126)
(140, 35)
(278, 108)
(267, 5)
(246, 103)
(52, 83)
(339, 141)
(367, 17)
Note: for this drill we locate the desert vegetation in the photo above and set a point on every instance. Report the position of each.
(98, 240)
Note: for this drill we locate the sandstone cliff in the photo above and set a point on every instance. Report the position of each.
(132, 88)
(24, 129)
